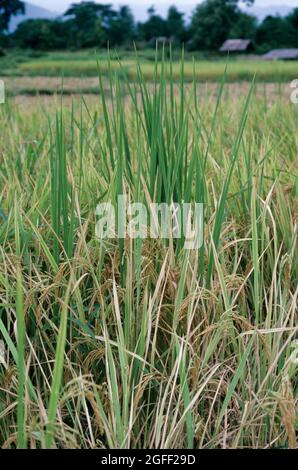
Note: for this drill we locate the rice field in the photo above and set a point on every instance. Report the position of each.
(205, 70)
(88, 64)
(141, 343)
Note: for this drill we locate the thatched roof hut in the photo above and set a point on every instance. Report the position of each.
(282, 54)
(236, 45)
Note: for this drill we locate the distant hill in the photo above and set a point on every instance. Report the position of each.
(32, 12)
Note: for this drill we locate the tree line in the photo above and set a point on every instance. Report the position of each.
(89, 24)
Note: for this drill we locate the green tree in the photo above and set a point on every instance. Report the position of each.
(121, 28)
(212, 22)
(85, 24)
(41, 34)
(293, 23)
(154, 27)
(83, 13)
(245, 27)
(175, 24)
(9, 8)
(293, 18)
(275, 32)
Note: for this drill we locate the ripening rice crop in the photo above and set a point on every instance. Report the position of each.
(140, 343)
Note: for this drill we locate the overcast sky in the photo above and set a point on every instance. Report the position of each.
(59, 5)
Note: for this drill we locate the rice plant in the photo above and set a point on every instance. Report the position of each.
(139, 343)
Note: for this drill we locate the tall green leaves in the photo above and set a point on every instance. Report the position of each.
(21, 334)
(220, 210)
(62, 192)
(57, 373)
